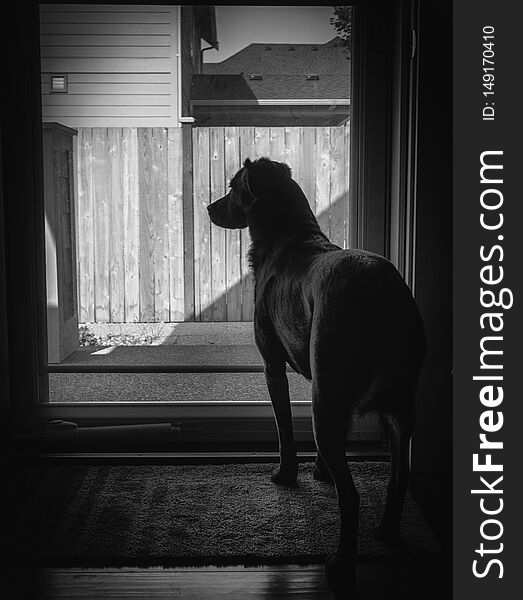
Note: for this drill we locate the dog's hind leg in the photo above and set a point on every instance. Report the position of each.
(399, 430)
(321, 471)
(278, 385)
(330, 421)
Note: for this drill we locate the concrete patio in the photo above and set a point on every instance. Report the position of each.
(184, 344)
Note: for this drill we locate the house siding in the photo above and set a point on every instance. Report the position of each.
(120, 60)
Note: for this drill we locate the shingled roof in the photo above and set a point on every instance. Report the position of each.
(281, 72)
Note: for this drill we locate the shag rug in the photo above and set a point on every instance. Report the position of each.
(162, 515)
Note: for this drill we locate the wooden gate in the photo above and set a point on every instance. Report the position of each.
(131, 248)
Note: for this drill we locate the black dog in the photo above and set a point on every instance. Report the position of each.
(344, 319)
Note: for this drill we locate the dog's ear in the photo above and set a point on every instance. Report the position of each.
(251, 196)
(252, 182)
(286, 169)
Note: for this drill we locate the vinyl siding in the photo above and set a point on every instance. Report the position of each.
(121, 63)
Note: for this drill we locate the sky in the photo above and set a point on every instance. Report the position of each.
(239, 26)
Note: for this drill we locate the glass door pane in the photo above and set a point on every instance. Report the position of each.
(148, 112)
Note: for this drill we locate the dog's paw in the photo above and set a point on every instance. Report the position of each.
(388, 534)
(285, 475)
(341, 578)
(323, 475)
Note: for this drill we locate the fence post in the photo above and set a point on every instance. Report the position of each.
(188, 221)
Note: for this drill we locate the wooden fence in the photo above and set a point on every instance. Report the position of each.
(130, 213)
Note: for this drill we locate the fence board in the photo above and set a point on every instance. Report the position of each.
(102, 186)
(188, 222)
(261, 142)
(131, 223)
(218, 234)
(349, 215)
(85, 225)
(308, 170)
(277, 144)
(147, 311)
(202, 227)
(291, 152)
(322, 161)
(73, 187)
(160, 225)
(116, 269)
(337, 175)
(246, 135)
(175, 191)
(232, 239)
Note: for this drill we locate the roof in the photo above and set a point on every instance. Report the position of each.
(292, 87)
(283, 69)
(285, 59)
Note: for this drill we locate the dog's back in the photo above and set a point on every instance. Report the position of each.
(345, 312)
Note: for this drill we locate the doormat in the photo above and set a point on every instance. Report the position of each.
(162, 515)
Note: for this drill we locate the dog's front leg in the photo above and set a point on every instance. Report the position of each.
(278, 386)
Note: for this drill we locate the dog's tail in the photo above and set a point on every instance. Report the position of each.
(390, 391)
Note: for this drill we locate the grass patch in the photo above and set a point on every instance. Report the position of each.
(143, 334)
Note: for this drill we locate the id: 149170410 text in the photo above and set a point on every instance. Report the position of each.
(488, 112)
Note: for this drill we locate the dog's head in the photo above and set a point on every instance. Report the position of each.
(252, 184)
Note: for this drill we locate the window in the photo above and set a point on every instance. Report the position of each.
(106, 144)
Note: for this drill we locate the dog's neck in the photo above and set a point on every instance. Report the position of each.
(270, 234)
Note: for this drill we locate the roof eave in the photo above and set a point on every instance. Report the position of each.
(207, 16)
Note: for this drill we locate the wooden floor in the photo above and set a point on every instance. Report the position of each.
(420, 579)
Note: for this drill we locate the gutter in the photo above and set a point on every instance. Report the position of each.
(272, 102)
